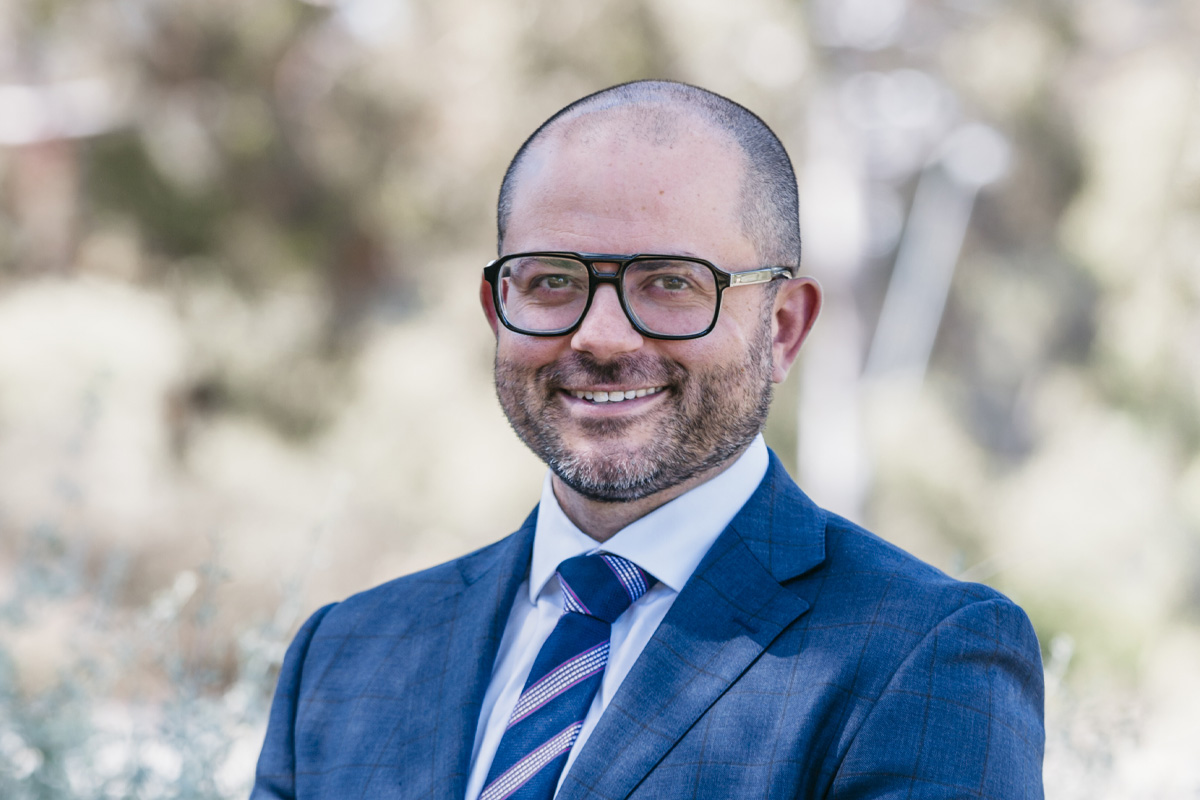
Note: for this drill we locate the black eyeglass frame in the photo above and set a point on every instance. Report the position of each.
(724, 279)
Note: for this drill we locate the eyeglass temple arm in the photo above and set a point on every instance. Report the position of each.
(763, 275)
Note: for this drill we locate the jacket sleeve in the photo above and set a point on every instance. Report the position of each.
(961, 717)
(275, 777)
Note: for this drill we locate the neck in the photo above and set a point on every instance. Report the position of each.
(602, 520)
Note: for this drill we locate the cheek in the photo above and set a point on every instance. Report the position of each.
(695, 354)
(525, 355)
(746, 312)
(728, 343)
(533, 351)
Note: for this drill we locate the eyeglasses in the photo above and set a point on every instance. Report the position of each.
(665, 297)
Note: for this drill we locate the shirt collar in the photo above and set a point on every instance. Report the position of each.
(669, 542)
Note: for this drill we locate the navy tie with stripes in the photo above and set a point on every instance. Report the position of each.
(565, 677)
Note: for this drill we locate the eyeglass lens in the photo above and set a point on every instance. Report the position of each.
(667, 296)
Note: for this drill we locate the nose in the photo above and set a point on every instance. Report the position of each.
(606, 332)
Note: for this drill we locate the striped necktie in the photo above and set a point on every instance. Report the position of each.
(549, 714)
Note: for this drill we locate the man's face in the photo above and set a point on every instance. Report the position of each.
(598, 190)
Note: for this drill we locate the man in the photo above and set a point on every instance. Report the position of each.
(676, 618)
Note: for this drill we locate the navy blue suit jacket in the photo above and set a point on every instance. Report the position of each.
(805, 658)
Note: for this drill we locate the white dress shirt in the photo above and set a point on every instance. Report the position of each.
(669, 543)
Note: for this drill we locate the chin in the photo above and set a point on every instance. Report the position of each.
(609, 479)
(606, 476)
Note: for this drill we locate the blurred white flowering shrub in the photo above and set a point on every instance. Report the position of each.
(122, 711)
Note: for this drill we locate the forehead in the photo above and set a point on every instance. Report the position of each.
(625, 181)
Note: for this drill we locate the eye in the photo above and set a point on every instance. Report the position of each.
(551, 282)
(672, 283)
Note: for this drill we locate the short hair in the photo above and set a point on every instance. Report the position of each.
(770, 203)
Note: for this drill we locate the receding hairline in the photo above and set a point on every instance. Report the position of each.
(659, 125)
(656, 123)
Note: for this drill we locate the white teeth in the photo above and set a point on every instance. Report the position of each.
(614, 397)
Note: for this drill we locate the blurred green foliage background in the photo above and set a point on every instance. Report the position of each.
(243, 371)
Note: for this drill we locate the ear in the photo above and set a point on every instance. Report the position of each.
(489, 306)
(796, 307)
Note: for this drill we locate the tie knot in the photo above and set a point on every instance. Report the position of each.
(602, 585)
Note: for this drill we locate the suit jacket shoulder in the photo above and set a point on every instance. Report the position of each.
(379, 695)
(391, 607)
(898, 587)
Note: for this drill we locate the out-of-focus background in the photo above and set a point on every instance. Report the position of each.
(243, 372)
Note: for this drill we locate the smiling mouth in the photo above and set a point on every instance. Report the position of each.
(618, 396)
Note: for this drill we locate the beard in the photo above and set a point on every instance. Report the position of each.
(705, 416)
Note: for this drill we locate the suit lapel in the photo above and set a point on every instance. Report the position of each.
(490, 581)
(732, 609)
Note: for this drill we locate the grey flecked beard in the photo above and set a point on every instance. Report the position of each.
(712, 414)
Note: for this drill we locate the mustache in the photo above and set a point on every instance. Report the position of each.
(581, 369)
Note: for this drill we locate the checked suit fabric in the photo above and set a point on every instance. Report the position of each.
(549, 714)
